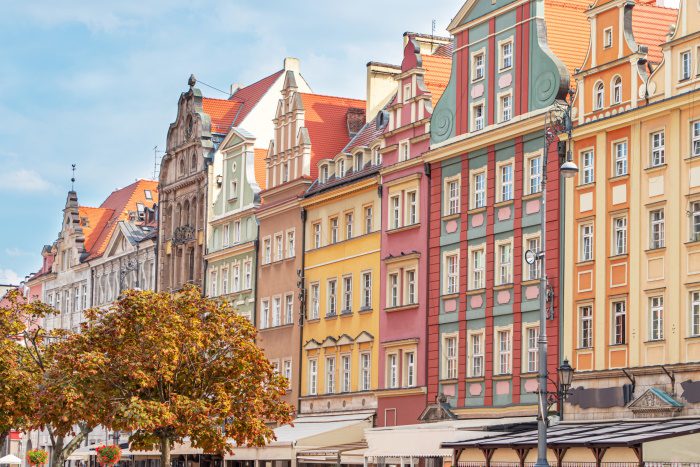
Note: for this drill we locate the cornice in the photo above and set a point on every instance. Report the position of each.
(231, 251)
(341, 190)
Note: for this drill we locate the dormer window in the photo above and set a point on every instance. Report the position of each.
(340, 169)
(607, 38)
(358, 162)
(376, 156)
(147, 194)
(616, 90)
(598, 96)
(141, 211)
(407, 92)
(324, 173)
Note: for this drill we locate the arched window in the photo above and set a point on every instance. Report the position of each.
(182, 166)
(616, 91)
(193, 165)
(598, 96)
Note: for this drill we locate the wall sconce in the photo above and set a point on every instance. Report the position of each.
(219, 180)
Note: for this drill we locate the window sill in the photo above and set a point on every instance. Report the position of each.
(270, 328)
(585, 186)
(692, 337)
(393, 309)
(584, 349)
(503, 203)
(652, 250)
(529, 196)
(617, 345)
(617, 178)
(449, 296)
(587, 262)
(475, 379)
(330, 317)
(530, 282)
(476, 291)
(313, 320)
(449, 381)
(618, 256)
(503, 286)
(473, 211)
(655, 341)
(655, 168)
(451, 217)
(403, 229)
(692, 242)
(502, 377)
(345, 313)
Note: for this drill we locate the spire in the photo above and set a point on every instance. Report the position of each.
(72, 179)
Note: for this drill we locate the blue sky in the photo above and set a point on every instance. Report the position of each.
(96, 83)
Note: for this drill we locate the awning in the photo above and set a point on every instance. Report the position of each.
(350, 453)
(425, 439)
(657, 437)
(309, 432)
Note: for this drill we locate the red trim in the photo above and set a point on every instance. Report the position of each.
(517, 269)
(433, 344)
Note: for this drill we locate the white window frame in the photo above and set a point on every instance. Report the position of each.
(619, 235)
(330, 374)
(587, 157)
(478, 65)
(226, 236)
(409, 369)
(349, 221)
(404, 150)
(585, 326)
(395, 211)
(477, 267)
(450, 356)
(317, 231)
(291, 243)
(616, 90)
(533, 173)
(694, 221)
(598, 95)
(289, 308)
(224, 281)
(248, 275)
(657, 228)
(279, 246)
(412, 216)
(452, 189)
(531, 360)
(694, 314)
(586, 242)
(365, 371)
(236, 231)
(334, 230)
(276, 311)
(532, 242)
(657, 151)
(695, 138)
(504, 262)
(213, 283)
(685, 72)
(410, 285)
(620, 158)
(407, 92)
(347, 294)
(505, 107)
(392, 370)
(478, 113)
(451, 274)
(313, 376)
(315, 293)
(506, 182)
(506, 55)
(393, 288)
(331, 297)
(607, 37)
(368, 212)
(476, 354)
(479, 189)
(618, 314)
(504, 351)
(267, 250)
(656, 318)
(264, 313)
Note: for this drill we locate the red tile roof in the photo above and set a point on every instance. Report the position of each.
(251, 94)
(260, 168)
(650, 25)
(222, 113)
(97, 219)
(325, 118)
(568, 30)
(365, 137)
(437, 74)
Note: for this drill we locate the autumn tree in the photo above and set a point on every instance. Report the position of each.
(169, 367)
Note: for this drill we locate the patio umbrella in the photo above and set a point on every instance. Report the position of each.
(10, 459)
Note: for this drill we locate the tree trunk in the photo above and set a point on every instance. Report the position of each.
(164, 451)
(3, 437)
(61, 451)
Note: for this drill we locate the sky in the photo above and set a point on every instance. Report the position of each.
(96, 83)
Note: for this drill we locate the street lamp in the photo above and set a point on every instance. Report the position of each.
(557, 121)
(566, 374)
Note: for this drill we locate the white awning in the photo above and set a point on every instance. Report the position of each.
(425, 439)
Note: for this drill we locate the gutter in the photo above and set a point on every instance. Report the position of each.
(302, 302)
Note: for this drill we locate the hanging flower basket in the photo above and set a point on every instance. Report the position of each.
(37, 457)
(108, 455)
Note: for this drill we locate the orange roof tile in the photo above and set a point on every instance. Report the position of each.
(97, 219)
(251, 94)
(222, 113)
(325, 119)
(568, 31)
(650, 25)
(437, 74)
(260, 168)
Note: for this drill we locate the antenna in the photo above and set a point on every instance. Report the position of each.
(156, 164)
(72, 179)
(432, 37)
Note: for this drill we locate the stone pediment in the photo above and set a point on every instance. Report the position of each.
(438, 411)
(654, 403)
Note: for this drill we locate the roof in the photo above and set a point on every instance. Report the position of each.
(365, 137)
(568, 30)
(261, 168)
(650, 25)
(593, 434)
(222, 113)
(114, 209)
(325, 118)
(437, 74)
(251, 94)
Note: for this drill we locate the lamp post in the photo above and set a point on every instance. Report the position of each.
(566, 374)
(557, 121)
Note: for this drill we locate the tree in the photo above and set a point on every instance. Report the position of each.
(169, 367)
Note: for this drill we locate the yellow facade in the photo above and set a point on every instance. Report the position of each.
(339, 345)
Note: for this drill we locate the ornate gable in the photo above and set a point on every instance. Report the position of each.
(654, 403)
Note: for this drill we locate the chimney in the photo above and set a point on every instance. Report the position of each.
(381, 86)
(233, 89)
(291, 63)
(355, 119)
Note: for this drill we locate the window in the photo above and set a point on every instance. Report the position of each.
(347, 294)
(478, 117)
(392, 370)
(358, 162)
(588, 167)
(619, 311)
(224, 281)
(586, 242)
(506, 55)
(226, 236)
(657, 229)
(478, 264)
(313, 376)
(236, 278)
(334, 230)
(365, 371)
(617, 90)
(449, 357)
(478, 66)
(368, 219)
(267, 251)
(504, 351)
(276, 311)
(505, 264)
(324, 173)
(212, 284)
(317, 235)
(285, 172)
(533, 270)
(409, 369)
(340, 169)
(452, 269)
(695, 221)
(367, 290)
(264, 314)
(287, 368)
(599, 96)
(696, 138)
(315, 301)
(84, 300)
(348, 225)
(476, 362)
(695, 313)
(656, 318)
(411, 289)
(76, 299)
(479, 193)
(236, 232)
(658, 154)
(607, 38)
(395, 212)
(412, 207)
(452, 197)
(330, 375)
(585, 327)
(619, 236)
(290, 244)
(404, 153)
(533, 334)
(621, 159)
(407, 92)
(506, 102)
(534, 171)
(279, 248)
(394, 289)
(685, 65)
(289, 309)
(376, 156)
(147, 194)
(506, 180)
(248, 269)
(345, 366)
(234, 189)
(332, 291)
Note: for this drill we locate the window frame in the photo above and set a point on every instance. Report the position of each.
(618, 313)
(451, 277)
(656, 318)
(331, 298)
(501, 194)
(479, 190)
(330, 370)
(583, 253)
(616, 90)
(450, 356)
(366, 290)
(505, 112)
(620, 164)
(478, 71)
(599, 95)
(657, 148)
(587, 176)
(657, 229)
(607, 37)
(617, 248)
(585, 326)
(533, 181)
(504, 264)
(502, 65)
(452, 202)
(694, 313)
(315, 308)
(365, 371)
(695, 138)
(474, 356)
(504, 354)
(313, 376)
(478, 122)
(477, 275)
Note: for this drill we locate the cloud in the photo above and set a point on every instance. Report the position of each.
(15, 252)
(23, 180)
(8, 276)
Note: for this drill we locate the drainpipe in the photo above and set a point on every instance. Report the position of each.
(156, 265)
(302, 302)
(427, 169)
(256, 243)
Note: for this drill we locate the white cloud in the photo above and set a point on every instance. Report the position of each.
(8, 276)
(23, 180)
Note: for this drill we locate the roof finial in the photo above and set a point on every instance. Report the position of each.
(72, 179)
(192, 81)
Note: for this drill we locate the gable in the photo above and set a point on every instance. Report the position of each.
(475, 9)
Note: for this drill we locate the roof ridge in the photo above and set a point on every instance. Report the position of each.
(334, 97)
(255, 82)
